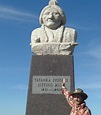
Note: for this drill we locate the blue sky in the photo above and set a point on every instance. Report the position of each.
(17, 19)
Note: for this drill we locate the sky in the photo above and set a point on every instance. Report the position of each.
(17, 20)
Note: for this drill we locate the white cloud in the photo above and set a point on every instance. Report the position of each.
(13, 14)
(90, 83)
(20, 87)
(94, 48)
(83, 27)
(91, 86)
(95, 51)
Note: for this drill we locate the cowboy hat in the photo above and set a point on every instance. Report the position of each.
(79, 91)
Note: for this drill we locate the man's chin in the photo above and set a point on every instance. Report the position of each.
(77, 103)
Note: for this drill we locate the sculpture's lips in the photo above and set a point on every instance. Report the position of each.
(50, 20)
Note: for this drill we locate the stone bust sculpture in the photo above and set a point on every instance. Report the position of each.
(53, 38)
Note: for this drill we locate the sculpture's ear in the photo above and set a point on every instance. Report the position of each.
(53, 2)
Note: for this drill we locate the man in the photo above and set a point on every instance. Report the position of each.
(53, 37)
(76, 100)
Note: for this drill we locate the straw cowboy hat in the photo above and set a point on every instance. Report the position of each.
(79, 91)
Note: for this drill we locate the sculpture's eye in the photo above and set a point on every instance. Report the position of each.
(56, 13)
(38, 40)
(46, 13)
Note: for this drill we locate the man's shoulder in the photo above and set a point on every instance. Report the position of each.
(87, 110)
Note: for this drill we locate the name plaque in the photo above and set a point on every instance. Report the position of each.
(48, 84)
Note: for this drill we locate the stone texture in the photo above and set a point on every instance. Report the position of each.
(49, 104)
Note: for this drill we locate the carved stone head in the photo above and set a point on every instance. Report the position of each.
(52, 15)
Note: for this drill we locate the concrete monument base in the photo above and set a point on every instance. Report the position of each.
(44, 92)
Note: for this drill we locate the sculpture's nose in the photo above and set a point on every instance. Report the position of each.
(50, 15)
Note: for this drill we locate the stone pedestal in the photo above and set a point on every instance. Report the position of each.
(44, 92)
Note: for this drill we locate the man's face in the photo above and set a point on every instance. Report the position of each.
(77, 99)
(51, 18)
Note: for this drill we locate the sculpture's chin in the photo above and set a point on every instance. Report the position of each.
(52, 25)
